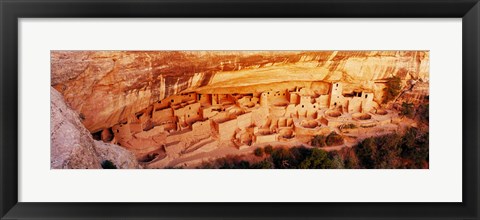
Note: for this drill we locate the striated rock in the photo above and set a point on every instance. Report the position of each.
(72, 145)
(108, 86)
(121, 157)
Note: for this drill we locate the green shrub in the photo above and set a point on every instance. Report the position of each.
(351, 161)
(414, 146)
(232, 162)
(407, 110)
(106, 164)
(388, 151)
(382, 152)
(258, 152)
(264, 164)
(347, 126)
(366, 152)
(337, 162)
(334, 139)
(319, 141)
(423, 112)
(318, 159)
(268, 149)
(282, 158)
(227, 162)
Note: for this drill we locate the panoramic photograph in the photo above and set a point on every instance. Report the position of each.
(239, 109)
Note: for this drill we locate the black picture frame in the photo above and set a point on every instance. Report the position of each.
(12, 10)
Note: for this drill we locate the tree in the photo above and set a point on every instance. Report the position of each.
(318, 159)
(408, 142)
(258, 152)
(264, 164)
(422, 154)
(268, 149)
(351, 160)
(227, 162)
(234, 164)
(392, 89)
(414, 147)
(423, 112)
(388, 151)
(318, 141)
(407, 110)
(366, 152)
(282, 157)
(334, 139)
(337, 161)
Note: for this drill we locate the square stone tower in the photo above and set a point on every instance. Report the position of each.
(336, 97)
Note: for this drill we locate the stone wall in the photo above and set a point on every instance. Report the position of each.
(244, 120)
(259, 116)
(266, 138)
(336, 97)
(162, 116)
(322, 101)
(226, 130)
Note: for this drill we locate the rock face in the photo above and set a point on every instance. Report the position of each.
(72, 145)
(121, 157)
(108, 86)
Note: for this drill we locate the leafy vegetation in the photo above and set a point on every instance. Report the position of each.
(347, 126)
(106, 164)
(350, 159)
(318, 141)
(394, 151)
(337, 160)
(408, 110)
(258, 152)
(414, 147)
(281, 158)
(334, 139)
(264, 164)
(409, 150)
(268, 149)
(423, 113)
(316, 159)
(229, 162)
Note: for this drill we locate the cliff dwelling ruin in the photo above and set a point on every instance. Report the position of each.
(191, 123)
(203, 119)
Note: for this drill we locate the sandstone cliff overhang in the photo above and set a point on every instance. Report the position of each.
(108, 86)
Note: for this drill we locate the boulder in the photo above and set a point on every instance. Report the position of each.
(72, 145)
